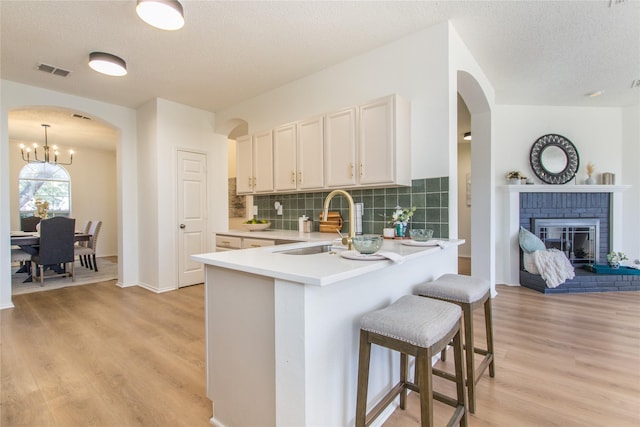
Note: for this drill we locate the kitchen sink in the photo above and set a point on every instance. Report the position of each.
(309, 250)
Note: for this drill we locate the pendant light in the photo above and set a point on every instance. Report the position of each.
(108, 64)
(163, 14)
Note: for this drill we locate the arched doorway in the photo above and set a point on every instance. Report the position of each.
(482, 187)
(92, 173)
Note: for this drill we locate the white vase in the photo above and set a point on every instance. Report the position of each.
(590, 180)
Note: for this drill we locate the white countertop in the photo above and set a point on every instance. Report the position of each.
(317, 269)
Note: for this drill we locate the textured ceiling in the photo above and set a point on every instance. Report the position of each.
(533, 52)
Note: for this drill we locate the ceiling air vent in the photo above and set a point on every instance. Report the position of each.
(80, 116)
(52, 70)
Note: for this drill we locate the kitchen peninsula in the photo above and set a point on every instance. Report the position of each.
(282, 329)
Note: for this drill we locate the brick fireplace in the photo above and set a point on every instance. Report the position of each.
(601, 202)
(568, 222)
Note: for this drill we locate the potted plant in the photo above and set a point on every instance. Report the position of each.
(615, 258)
(400, 217)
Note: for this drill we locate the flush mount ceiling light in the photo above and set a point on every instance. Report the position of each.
(163, 14)
(467, 136)
(108, 64)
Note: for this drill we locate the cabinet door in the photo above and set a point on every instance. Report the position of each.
(311, 154)
(244, 165)
(263, 161)
(376, 148)
(248, 242)
(340, 148)
(284, 157)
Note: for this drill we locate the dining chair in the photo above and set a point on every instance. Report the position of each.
(88, 252)
(86, 230)
(57, 236)
(29, 223)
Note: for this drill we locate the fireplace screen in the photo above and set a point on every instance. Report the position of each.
(578, 238)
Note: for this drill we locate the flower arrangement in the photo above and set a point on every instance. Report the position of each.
(41, 209)
(590, 169)
(615, 258)
(402, 215)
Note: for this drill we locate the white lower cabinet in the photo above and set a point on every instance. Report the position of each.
(256, 243)
(226, 242)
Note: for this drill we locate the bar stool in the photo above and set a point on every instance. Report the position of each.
(469, 293)
(418, 327)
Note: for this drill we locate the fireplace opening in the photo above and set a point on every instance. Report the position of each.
(578, 238)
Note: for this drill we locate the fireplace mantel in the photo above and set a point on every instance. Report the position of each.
(512, 257)
(542, 188)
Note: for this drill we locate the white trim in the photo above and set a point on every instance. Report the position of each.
(536, 188)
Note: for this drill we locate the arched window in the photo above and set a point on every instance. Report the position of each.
(47, 182)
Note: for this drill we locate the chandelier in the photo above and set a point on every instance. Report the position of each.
(26, 152)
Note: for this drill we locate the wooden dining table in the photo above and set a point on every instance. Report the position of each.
(29, 243)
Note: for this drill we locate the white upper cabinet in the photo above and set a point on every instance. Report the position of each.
(244, 165)
(384, 142)
(368, 145)
(310, 154)
(263, 162)
(285, 173)
(340, 148)
(254, 163)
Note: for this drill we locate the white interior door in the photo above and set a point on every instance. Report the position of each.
(192, 225)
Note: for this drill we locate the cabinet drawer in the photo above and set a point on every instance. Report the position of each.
(256, 243)
(229, 242)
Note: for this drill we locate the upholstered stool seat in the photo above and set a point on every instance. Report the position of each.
(417, 327)
(469, 293)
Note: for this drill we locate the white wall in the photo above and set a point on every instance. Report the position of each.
(596, 133)
(124, 119)
(165, 127)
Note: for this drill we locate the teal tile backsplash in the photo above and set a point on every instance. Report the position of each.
(430, 197)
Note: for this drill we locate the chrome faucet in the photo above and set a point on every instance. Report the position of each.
(352, 216)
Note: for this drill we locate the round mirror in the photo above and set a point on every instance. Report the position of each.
(554, 159)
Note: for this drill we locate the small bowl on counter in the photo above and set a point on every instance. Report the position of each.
(421, 234)
(256, 226)
(367, 244)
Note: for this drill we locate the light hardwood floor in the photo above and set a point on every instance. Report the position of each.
(104, 356)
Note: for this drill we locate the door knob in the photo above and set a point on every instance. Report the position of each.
(182, 226)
